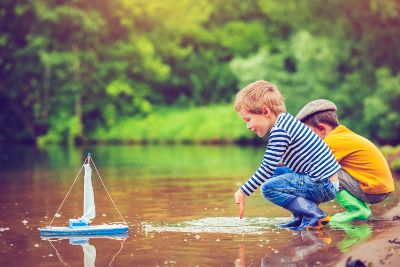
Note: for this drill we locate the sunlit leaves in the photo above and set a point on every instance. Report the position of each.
(125, 100)
(118, 87)
(386, 9)
(148, 63)
(242, 38)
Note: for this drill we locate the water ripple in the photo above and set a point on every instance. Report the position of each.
(230, 225)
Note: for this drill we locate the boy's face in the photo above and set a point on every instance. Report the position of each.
(260, 124)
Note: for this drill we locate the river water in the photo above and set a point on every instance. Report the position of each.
(177, 201)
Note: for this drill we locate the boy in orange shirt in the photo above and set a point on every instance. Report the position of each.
(365, 176)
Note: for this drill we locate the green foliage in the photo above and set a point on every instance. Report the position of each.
(392, 154)
(196, 125)
(388, 150)
(71, 70)
(64, 131)
(304, 68)
(240, 37)
(125, 100)
(395, 165)
(382, 110)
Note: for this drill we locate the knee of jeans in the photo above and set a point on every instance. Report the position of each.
(266, 189)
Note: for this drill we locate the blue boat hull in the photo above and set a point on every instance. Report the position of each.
(92, 230)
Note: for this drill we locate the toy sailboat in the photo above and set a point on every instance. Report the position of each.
(81, 226)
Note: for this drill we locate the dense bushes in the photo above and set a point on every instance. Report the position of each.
(74, 70)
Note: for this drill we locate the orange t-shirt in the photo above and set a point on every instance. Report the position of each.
(361, 159)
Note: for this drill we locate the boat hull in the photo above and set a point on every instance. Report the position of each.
(92, 230)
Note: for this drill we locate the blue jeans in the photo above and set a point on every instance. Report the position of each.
(285, 185)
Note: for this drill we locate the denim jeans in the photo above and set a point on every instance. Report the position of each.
(285, 185)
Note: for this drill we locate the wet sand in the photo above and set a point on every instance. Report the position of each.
(383, 249)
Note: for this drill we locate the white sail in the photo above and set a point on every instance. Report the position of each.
(89, 209)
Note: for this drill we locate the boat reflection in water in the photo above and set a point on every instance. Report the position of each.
(89, 251)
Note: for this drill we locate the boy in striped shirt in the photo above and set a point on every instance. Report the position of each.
(310, 177)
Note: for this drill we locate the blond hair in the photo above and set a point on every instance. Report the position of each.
(258, 94)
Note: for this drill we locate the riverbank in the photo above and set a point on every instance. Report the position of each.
(195, 125)
(382, 249)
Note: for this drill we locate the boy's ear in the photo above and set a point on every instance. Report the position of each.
(266, 110)
(322, 128)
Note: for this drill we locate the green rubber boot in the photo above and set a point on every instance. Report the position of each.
(356, 208)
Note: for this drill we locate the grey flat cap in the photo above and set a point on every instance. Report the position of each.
(314, 107)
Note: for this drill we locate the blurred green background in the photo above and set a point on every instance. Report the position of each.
(135, 71)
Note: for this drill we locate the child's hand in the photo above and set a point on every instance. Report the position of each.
(240, 199)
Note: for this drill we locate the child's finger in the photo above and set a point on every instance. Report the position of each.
(241, 208)
(241, 213)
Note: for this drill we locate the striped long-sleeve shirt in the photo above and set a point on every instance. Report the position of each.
(299, 148)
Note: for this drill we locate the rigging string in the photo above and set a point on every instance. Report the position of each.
(58, 254)
(67, 194)
(116, 254)
(115, 206)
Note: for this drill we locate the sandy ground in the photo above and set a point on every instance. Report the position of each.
(383, 249)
